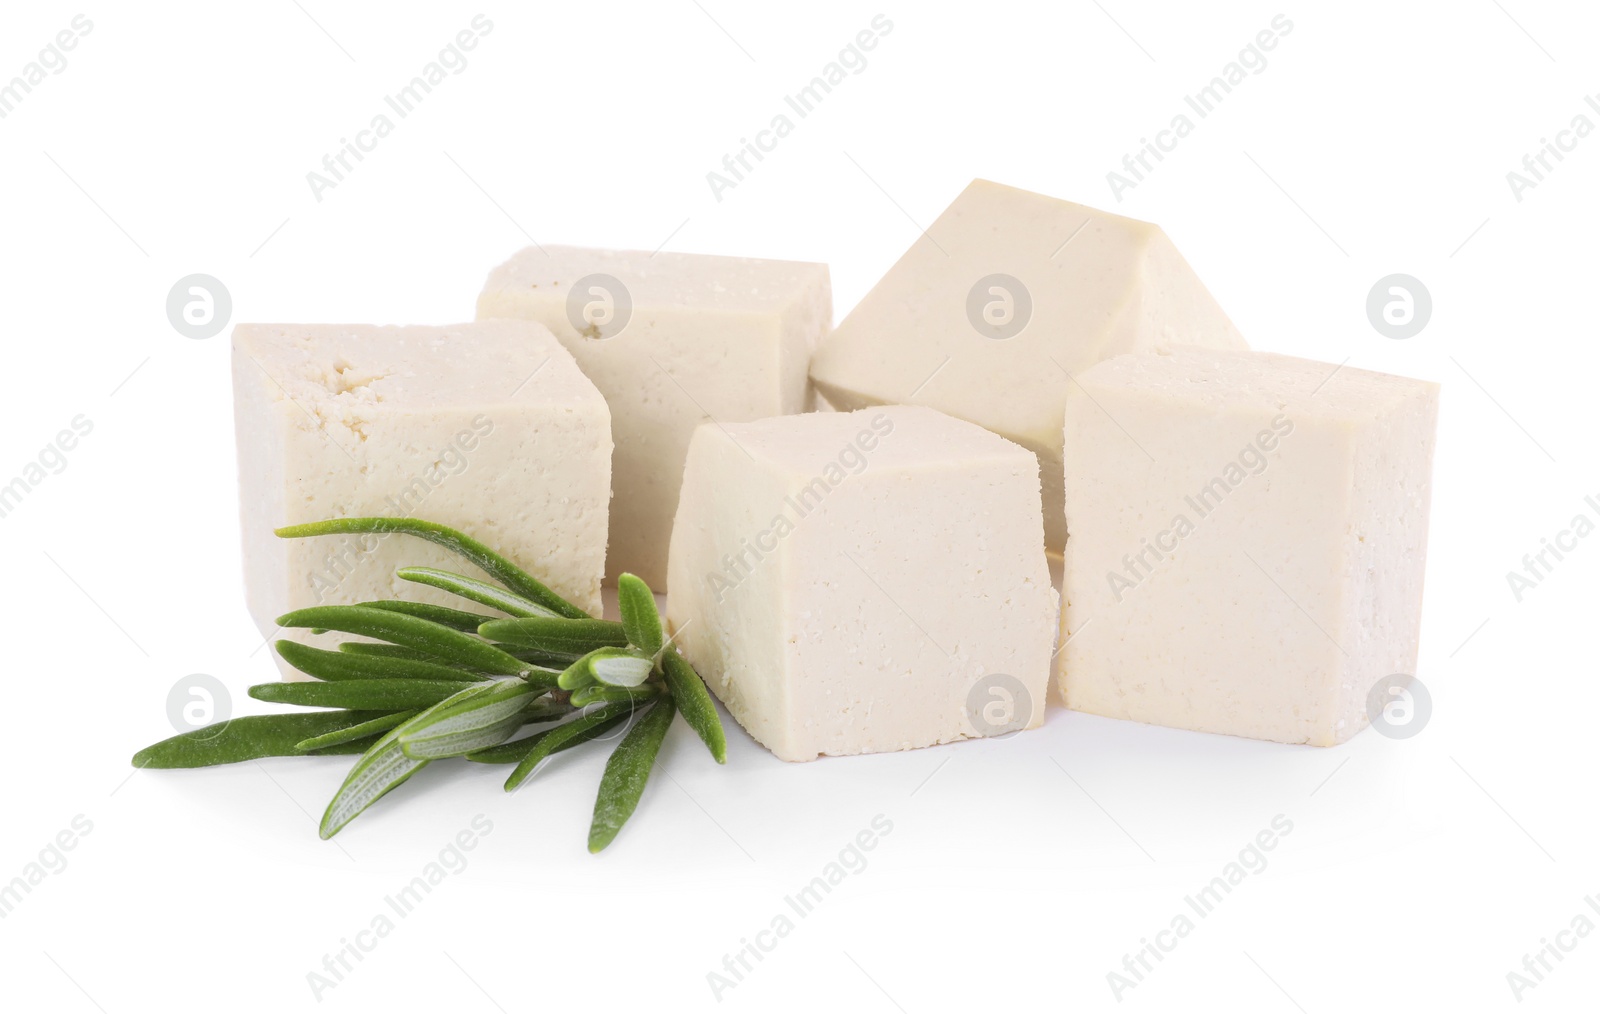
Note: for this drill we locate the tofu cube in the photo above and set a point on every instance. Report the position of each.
(863, 582)
(671, 340)
(1247, 541)
(1006, 298)
(489, 428)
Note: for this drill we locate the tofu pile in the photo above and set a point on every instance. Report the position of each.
(853, 525)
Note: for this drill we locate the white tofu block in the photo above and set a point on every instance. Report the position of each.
(862, 582)
(1247, 541)
(1005, 298)
(489, 428)
(671, 340)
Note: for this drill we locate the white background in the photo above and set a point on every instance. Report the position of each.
(1377, 140)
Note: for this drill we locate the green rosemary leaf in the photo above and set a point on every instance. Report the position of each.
(546, 710)
(577, 675)
(548, 661)
(360, 731)
(354, 746)
(509, 752)
(492, 563)
(455, 647)
(380, 769)
(557, 660)
(481, 592)
(386, 764)
(599, 693)
(471, 720)
(640, 619)
(620, 667)
(375, 649)
(247, 738)
(694, 700)
(575, 637)
(454, 618)
(617, 667)
(514, 751)
(550, 741)
(380, 695)
(543, 679)
(626, 773)
(459, 744)
(341, 665)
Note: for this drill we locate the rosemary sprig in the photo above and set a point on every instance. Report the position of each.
(437, 683)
